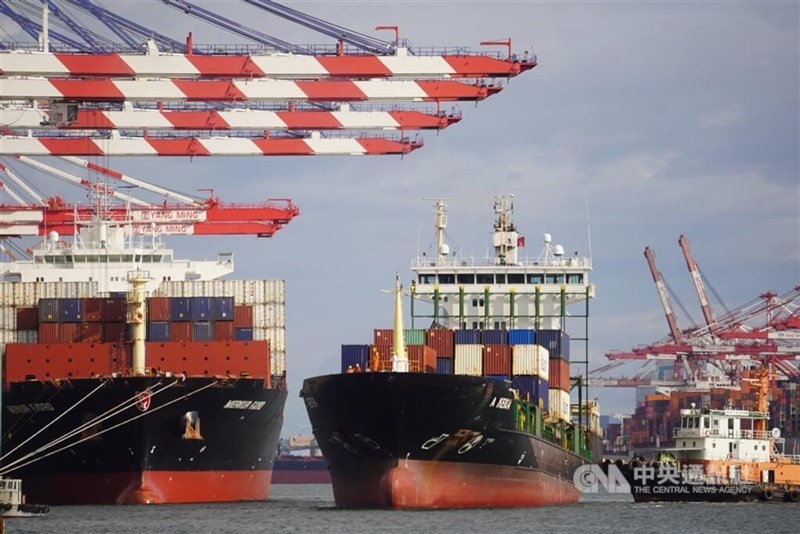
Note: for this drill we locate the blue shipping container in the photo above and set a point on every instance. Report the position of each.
(181, 310)
(202, 331)
(243, 334)
(522, 337)
(71, 310)
(534, 389)
(504, 378)
(158, 331)
(223, 309)
(495, 337)
(444, 366)
(468, 337)
(354, 354)
(202, 309)
(49, 310)
(556, 341)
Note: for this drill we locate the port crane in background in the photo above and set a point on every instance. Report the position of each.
(763, 332)
(178, 214)
(135, 91)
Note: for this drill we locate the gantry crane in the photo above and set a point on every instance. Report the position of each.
(178, 214)
(761, 332)
(153, 95)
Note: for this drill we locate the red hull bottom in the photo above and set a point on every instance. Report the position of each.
(418, 484)
(150, 487)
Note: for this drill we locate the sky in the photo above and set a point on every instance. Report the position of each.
(642, 121)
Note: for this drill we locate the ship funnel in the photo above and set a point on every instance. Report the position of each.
(399, 356)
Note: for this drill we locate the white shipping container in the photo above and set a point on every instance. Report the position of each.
(526, 360)
(269, 315)
(277, 347)
(543, 361)
(559, 405)
(8, 336)
(468, 360)
(27, 294)
(8, 318)
(27, 336)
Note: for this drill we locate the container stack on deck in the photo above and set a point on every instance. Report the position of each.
(539, 375)
(62, 330)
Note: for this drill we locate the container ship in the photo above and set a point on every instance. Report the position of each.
(474, 411)
(133, 377)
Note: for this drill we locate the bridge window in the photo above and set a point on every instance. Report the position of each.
(516, 278)
(554, 278)
(500, 278)
(466, 278)
(535, 278)
(573, 278)
(427, 278)
(447, 278)
(483, 278)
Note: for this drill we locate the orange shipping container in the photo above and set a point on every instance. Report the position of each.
(223, 331)
(422, 358)
(93, 310)
(559, 374)
(497, 360)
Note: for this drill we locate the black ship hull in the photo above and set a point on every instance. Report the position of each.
(413, 440)
(186, 440)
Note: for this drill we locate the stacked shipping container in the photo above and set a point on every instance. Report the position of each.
(511, 355)
(557, 344)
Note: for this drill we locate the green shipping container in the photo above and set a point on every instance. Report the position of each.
(414, 337)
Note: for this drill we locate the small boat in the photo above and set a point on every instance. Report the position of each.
(12, 501)
(719, 456)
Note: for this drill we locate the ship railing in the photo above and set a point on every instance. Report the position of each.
(568, 263)
(729, 434)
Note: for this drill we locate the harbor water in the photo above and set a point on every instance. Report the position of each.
(310, 508)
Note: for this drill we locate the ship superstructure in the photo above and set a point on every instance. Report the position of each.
(504, 290)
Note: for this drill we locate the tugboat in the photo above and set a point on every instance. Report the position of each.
(12, 501)
(719, 455)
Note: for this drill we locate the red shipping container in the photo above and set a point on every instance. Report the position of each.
(559, 374)
(27, 319)
(49, 332)
(383, 336)
(68, 332)
(497, 360)
(441, 341)
(223, 331)
(159, 309)
(89, 333)
(181, 332)
(114, 333)
(114, 310)
(93, 310)
(422, 358)
(210, 358)
(242, 316)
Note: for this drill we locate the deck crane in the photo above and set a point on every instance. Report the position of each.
(186, 216)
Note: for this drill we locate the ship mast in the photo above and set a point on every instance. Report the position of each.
(137, 318)
(399, 356)
(505, 235)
